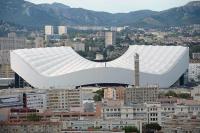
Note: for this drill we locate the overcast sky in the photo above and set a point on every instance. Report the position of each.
(116, 6)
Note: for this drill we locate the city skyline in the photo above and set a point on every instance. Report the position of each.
(120, 6)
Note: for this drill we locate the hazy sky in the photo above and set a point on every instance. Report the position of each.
(119, 5)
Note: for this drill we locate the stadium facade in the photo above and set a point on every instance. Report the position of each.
(62, 67)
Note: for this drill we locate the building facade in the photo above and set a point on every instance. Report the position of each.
(62, 30)
(11, 42)
(110, 38)
(194, 70)
(49, 30)
(141, 94)
(36, 100)
(63, 99)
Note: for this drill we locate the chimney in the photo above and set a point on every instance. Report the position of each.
(137, 70)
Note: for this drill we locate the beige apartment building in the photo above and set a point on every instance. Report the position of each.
(62, 30)
(63, 99)
(114, 93)
(141, 94)
(6, 44)
(110, 38)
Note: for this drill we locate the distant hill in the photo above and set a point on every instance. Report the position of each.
(29, 14)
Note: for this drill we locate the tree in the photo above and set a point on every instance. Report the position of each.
(184, 95)
(130, 129)
(171, 93)
(153, 127)
(99, 94)
(33, 117)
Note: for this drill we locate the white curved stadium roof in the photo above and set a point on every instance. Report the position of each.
(62, 67)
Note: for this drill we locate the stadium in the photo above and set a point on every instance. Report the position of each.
(62, 67)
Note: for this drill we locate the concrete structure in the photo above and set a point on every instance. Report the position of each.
(137, 70)
(194, 70)
(62, 30)
(110, 38)
(6, 44)
(87, 93)
(141, 94)
(39, 42)
(23, 97)
(196, 56)
(30, 127)
(145, 112)
(182, 123)
(11, 101)
(49, 30)
(36, 100)
(99, 57)
(195, 93)
(78, 46)
(61, 67)
(114, 93)
(63, 99)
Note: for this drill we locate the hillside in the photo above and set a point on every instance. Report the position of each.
(29, 14)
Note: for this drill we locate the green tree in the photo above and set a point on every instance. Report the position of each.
(171, 93)
(153, 126)
(99, 94)
(130, 129)
(184, 95)
(33, 117)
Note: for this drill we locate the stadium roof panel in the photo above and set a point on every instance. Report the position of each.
(52, 62)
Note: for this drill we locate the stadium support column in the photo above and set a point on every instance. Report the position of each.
(137, 70)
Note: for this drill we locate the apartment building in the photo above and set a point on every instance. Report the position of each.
(62, 30)
(147, 112)
(182, 123)
(114, 93)
(63, 99)
(194, 70)
(30, 127)
(110, 38)
(6, 44)
(141, 94)
(36, 100)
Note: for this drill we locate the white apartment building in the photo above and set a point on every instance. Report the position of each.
(102, 124)
(147, 112)
(62, 30)
(194, 70)
(36, 100)
(49, 30)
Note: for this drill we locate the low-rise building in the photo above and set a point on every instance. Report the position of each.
(182, 123)
(30, 127)
(195, 93)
